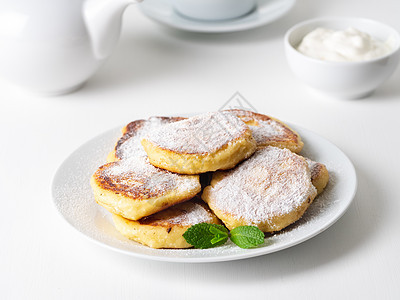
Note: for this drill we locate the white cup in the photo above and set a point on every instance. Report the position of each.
(213, 10)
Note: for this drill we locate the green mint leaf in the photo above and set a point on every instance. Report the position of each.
(219, 238)
(206, 235)
(247, 236)
(219, 230)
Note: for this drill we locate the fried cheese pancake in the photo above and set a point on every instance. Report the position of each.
(203, 143)
(319, 175)
(165, 229)
(270, 190)
(129, 144)
(133, 188)
(268, 131)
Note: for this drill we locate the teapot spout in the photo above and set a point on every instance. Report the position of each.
(103, 21)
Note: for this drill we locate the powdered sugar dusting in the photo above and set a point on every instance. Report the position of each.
(273, 182)
(193, 214)
(264, 128)
(132, 146)
(311, 164)
(136, 177)
(269, 130)
(204, 133)
(184, 214)
(314, 167)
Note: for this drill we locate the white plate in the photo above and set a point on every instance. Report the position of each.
(73, 198)
(266, 12)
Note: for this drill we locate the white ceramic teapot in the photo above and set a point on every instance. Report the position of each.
(54, 46)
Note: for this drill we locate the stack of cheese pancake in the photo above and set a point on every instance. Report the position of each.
(231, 167)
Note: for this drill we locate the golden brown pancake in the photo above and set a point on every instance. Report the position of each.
(165, 228)
(270, 190)
(133, 188)
(319, 175)
(268, 131)
(203, 143)
(129, 144)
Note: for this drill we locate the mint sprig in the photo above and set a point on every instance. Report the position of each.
(206, 235)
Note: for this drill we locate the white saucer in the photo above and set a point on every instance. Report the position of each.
(266, 12)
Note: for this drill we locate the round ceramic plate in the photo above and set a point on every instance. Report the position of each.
(73, 198)
(267, 11)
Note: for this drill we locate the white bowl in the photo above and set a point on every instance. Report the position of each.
(348, 80)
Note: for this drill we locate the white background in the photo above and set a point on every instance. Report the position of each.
(159, 71)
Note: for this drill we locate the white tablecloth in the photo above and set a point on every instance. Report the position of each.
(159, 71)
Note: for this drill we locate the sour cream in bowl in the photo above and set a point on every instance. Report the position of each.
(344, 57)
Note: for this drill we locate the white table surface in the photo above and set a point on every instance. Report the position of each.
(159, 71)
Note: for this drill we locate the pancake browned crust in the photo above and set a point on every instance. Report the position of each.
(165, 229)
(270, 190)
(203, 143)
(133, 188)
(319, 175)
(268, 131)
(129, 144)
